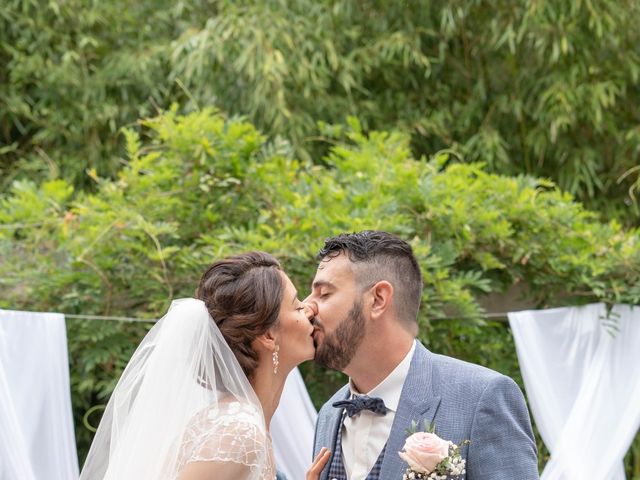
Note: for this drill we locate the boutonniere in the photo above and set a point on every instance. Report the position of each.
(430, 457)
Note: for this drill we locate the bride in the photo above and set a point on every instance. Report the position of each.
(196, 399)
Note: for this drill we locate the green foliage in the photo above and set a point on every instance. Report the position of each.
(200, 186)
(542, 88)
(537, 87)
(73, 72)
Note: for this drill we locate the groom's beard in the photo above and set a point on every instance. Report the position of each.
(337, 349)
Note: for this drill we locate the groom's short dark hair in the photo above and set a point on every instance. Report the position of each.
(382, 256)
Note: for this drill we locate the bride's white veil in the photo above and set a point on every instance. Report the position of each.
(182, 368)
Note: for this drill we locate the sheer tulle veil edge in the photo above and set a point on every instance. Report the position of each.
(182, 372)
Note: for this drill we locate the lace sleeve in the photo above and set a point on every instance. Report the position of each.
(231, 434)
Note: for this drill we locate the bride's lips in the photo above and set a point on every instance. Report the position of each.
(314, 332)
(315, 336)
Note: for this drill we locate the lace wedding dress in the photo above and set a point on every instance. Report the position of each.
(182, 399)
(232, 432)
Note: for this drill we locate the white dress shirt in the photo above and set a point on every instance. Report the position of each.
(365, 434)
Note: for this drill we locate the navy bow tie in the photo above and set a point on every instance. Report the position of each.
(362, 402)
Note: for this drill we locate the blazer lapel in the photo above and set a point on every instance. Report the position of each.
(419, 401)
(330, 430)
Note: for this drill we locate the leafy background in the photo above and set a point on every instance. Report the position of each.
(499, 138)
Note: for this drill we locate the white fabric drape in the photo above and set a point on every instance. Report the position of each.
(583, 384)
(37, 440)
(292, 428)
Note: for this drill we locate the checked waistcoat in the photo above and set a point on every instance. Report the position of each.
(336, 469)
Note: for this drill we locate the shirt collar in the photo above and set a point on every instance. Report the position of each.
(390, 388)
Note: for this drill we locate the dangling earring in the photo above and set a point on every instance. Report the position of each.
(275, 359)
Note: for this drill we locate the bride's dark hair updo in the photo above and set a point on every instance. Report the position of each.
(243, 294)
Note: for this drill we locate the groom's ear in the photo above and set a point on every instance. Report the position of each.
(381, 298)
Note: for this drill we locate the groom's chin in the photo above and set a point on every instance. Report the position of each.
(321, 357)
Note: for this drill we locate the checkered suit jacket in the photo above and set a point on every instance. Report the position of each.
(464, 402)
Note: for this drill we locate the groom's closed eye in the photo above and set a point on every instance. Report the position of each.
(323, 288)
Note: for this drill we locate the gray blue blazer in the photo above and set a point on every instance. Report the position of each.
(464, 402)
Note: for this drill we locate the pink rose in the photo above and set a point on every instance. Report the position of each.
(424, 451)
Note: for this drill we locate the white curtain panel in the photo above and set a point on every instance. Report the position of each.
(14, 457)
(292, 428)
(583, 384)
(37, 441)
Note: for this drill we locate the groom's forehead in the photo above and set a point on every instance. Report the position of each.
(334, 269)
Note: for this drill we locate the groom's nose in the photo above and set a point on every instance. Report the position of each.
(311, 309)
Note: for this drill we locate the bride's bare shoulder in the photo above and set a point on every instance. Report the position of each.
(200, 470)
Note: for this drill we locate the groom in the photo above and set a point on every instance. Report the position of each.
(366, 295)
